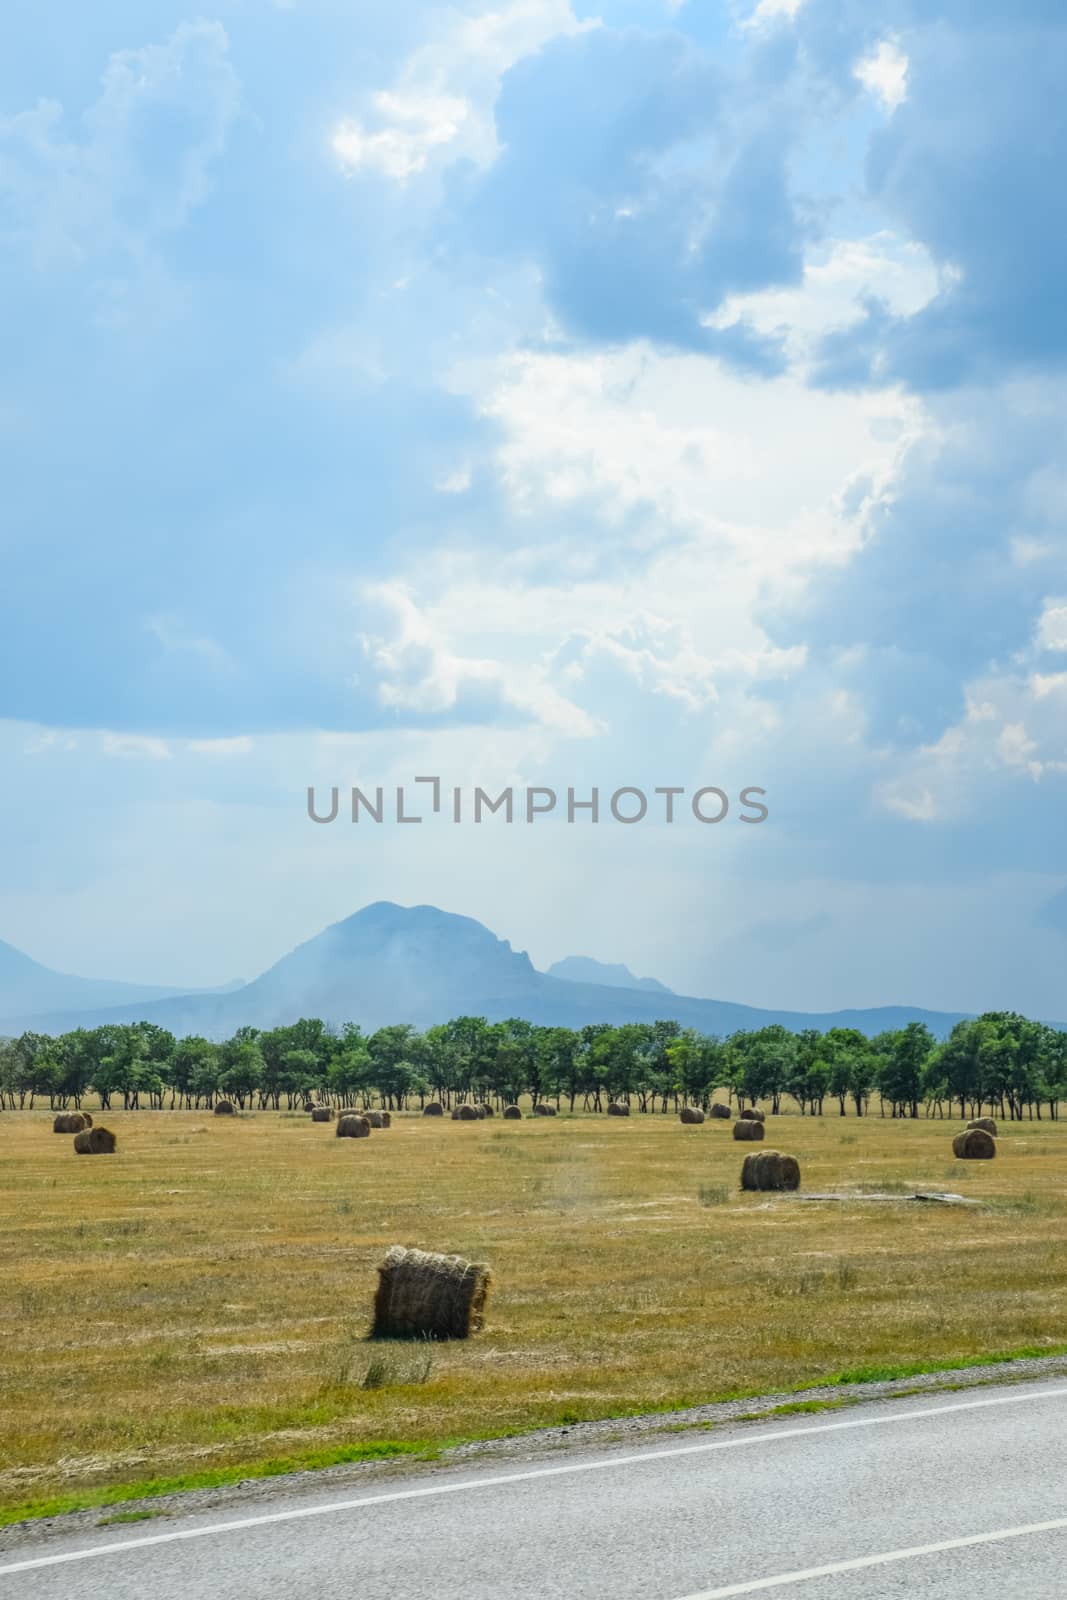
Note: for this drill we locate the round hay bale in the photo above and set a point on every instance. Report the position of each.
(353, 1126)
(95, 1142)
(544, 1111)
(480, 1109)
(425, 1296)
(465, 1114)
(766, 1170)
(487, 1108)
(691, 1114)
(434, 1109)
(745, 1128)
(719, 1110)
(752, 1114)
(224, 1108)
(387, 1119)
(974, 1144)
(68, 1122)
(512, 1113)
(618, 1108)
(374, 1118)
(790, 1173)
(986, 1124)
(322, 1113)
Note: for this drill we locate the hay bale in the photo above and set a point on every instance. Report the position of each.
(512, 1113)
(488, 1110)
(618, 1108)
(986, 1124)
(790, 1173)
(425, 1296)
(752, 1114)
(322, 1113)
(974, 1144)
(745, 1128)
(224, 1108)
(434, 1109)
(544, 1111)
(691, 1114)
(766, 1170)
(465, 1114)
(480, 1109)
(374, 1118)
(353, 1126)
(95, 1142)
(68, 1122)
(719, 1110)
(387, 1119)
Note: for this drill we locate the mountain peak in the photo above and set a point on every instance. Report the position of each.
(610, 975)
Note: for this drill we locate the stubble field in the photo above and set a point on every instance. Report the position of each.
(199, 1302)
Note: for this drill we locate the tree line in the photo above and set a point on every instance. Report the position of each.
(1000, 1061)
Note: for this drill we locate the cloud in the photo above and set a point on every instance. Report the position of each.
(415, 127)
(966, 166)
(144, 163)
(885, 74)
(644, 182)
(441, 103)
(1052, 628)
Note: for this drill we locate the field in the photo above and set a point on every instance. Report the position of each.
(199, 1302)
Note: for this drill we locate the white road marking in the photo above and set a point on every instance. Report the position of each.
(601, 1464)
(784, 1579)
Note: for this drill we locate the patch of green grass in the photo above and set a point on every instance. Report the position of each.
(154, 1488)
(915, 1369)
(713, 1194)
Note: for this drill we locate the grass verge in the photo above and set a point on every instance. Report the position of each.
(429, 1450)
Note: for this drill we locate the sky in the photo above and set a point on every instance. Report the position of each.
(646, 393)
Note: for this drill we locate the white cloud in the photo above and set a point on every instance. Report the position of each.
(1052, 629)
(154, 135)
(134, 746)
(414, 128)
(762, 470)
(458, 481)
(769, 10)
(1013, 727)
(422, 662)
(884, 73)
(443, 98)
(837, 280)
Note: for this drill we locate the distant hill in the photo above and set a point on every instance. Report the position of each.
(26, 987)
(583, 969)
(416, 964)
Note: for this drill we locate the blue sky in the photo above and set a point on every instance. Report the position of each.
(540, 392)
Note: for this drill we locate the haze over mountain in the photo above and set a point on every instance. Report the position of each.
(27, 987)
(583, 969)
(390, 963)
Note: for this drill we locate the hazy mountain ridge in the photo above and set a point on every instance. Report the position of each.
(611, 975)
(27, 986)
(389, 963)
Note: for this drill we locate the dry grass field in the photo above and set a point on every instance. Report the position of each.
(200, 1300)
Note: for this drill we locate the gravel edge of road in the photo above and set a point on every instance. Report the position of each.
(527, 1447)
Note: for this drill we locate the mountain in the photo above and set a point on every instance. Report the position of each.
(27, 987)
(416, 964)
(583, 969)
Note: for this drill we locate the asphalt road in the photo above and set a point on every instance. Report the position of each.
(962, 1497)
